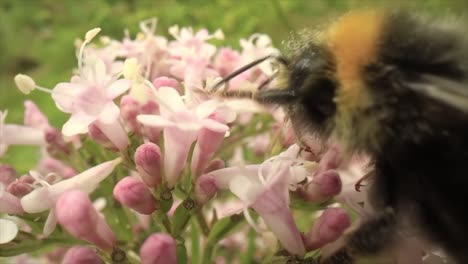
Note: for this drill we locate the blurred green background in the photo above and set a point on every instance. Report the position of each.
(37, 36)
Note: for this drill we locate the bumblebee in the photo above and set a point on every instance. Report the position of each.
(392, 85)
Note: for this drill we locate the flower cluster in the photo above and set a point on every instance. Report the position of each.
(150, 168)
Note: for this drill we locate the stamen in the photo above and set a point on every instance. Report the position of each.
(88, 37)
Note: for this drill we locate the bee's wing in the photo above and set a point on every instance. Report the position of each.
(452, 93)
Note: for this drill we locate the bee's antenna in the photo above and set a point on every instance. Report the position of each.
(241, 70)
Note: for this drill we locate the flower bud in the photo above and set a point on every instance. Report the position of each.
(56, 143)
(33, 117)
(205, 188)
(169, 82)
(81, 255)
(215, 164)
(7, 174)
(330, 160)
(322, 187)
(129, 109)
(148, 164)
(151, 133)
(76, 213)
(327, 228)
(158, 249)
(134, 194)
(19, 188)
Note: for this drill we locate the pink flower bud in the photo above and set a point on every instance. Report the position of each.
(148, 164)
(97, 135)
(323, 186)
(158, 249)
(327, 228)
(134, 194)
(215, 164)
(81, 255)
(129, 109)
(49, 164)
(259, 144)
(208, 143)
(9, 203)
(56, 255)
(205, 188)
(165, 81)
(33, 117)
(151, 133)
(19, 188)
(55, 141)
(76, 213)
(330, 160)
(7, 174)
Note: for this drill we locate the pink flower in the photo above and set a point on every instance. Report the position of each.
(75, 212)
(18, 135)
(190, 50)
(81, 255)
(159, 248)
(181, 127)
(134, 194)
(327, 228)
(148, 164)
(265, 188)
(168, 82)
(44, 198)
(208, 142)
(89, 97)
(226, 61)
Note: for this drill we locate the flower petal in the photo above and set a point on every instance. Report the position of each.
(154, 121)
(8, 231)
(118, 87)
(110, 113)
(77, 124)
(214, 125)
(50, 223)
(172, 98)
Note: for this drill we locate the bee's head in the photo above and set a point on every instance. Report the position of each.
(309, 78)
(308, 93)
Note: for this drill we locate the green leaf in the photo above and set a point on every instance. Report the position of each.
(223, 227)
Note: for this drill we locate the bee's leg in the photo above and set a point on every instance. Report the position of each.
(369, 239)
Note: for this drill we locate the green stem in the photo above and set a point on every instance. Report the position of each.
(202, 222)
